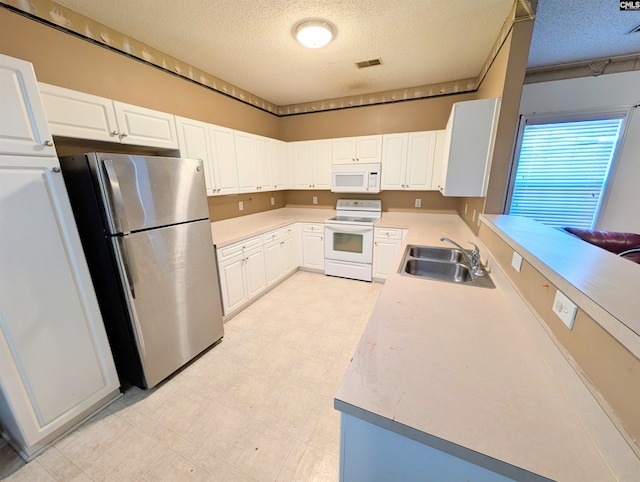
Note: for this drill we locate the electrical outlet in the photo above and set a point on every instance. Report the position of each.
(273, 201)
(565, 309)
(240, 205)
(473, 218)
(466, 208)
(418, 203)
(516, 261)
(315, 199)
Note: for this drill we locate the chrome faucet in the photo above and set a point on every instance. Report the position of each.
(474, 258)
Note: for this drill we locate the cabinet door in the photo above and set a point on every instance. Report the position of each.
(313, 250)
(321, 164)
(384, 254)
(420, 155)
(232, 284)
(369, 149)
(79, 115)
(264, 164)
(440, 161)
(471, 131)
(145, 127)
(23, 125)
(254, 272)
(289, 254)
(223, 151)
(280, 164)
(343, 150)
(55, 360)
(246, 161)
(302, 165)
(273, 262)
(193, 138)
(394, 161)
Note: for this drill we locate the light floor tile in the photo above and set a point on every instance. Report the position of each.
(258, 406)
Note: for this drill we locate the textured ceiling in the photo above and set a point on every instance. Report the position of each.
(568, 31)
(249, 43)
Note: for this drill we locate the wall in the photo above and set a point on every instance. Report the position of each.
(62, 59)
(619, 211)
(609, 366)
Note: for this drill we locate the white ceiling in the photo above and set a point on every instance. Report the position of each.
(568, 31)
(249, 43)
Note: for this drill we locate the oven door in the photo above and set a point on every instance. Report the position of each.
(348, 242)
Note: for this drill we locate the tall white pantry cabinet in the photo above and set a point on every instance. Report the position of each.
(56, 366)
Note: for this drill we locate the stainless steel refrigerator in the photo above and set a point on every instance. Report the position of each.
(145, 229)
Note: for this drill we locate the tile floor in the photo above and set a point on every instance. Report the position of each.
(259, 406)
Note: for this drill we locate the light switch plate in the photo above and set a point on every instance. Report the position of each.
(565, 309)
(418, 203)
(516, 261)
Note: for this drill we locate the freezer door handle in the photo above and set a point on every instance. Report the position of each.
(122, 247)
(115, 197)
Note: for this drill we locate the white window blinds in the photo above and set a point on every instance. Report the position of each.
(562, 170)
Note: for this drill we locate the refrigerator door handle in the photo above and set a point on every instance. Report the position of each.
(115, 197)
(122, 247)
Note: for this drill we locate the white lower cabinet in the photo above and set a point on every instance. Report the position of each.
(386, 243)
(280, 253)
(313, 246)
(242, 273)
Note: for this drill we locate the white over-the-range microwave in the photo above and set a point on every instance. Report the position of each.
(357, 178)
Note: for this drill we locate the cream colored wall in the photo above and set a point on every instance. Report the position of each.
(68, 61)
(610, 367)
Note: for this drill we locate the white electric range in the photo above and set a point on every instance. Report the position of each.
(348, 240)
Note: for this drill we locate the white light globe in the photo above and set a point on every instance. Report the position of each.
(314, 33)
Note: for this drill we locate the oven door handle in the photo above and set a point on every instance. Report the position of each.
(350, 229)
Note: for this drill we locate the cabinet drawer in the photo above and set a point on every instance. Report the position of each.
(387, 233)
(272, 236)
(313, 227)
(237, 248)
(288, 231)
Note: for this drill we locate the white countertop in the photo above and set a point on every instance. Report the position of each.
(471, 368)
(232, 230)
(460, 364)
(603, 284)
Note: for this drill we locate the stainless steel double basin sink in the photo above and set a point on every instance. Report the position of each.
(442, 264)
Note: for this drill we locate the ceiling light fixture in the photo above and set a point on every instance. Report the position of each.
(314, 33)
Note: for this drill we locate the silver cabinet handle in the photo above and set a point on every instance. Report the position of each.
(55, 169)
(113, 133)
(48, 143)
(124, 134)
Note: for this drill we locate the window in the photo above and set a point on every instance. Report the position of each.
(563, 166)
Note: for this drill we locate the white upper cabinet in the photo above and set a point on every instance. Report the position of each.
(23, 125)
(145, 127)
(311, 164)
(85, 116)
(280, 164)
(193, 138)
(253, 158)
(223, 151)
(408, 161)
(468, 147)
(364, 149)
